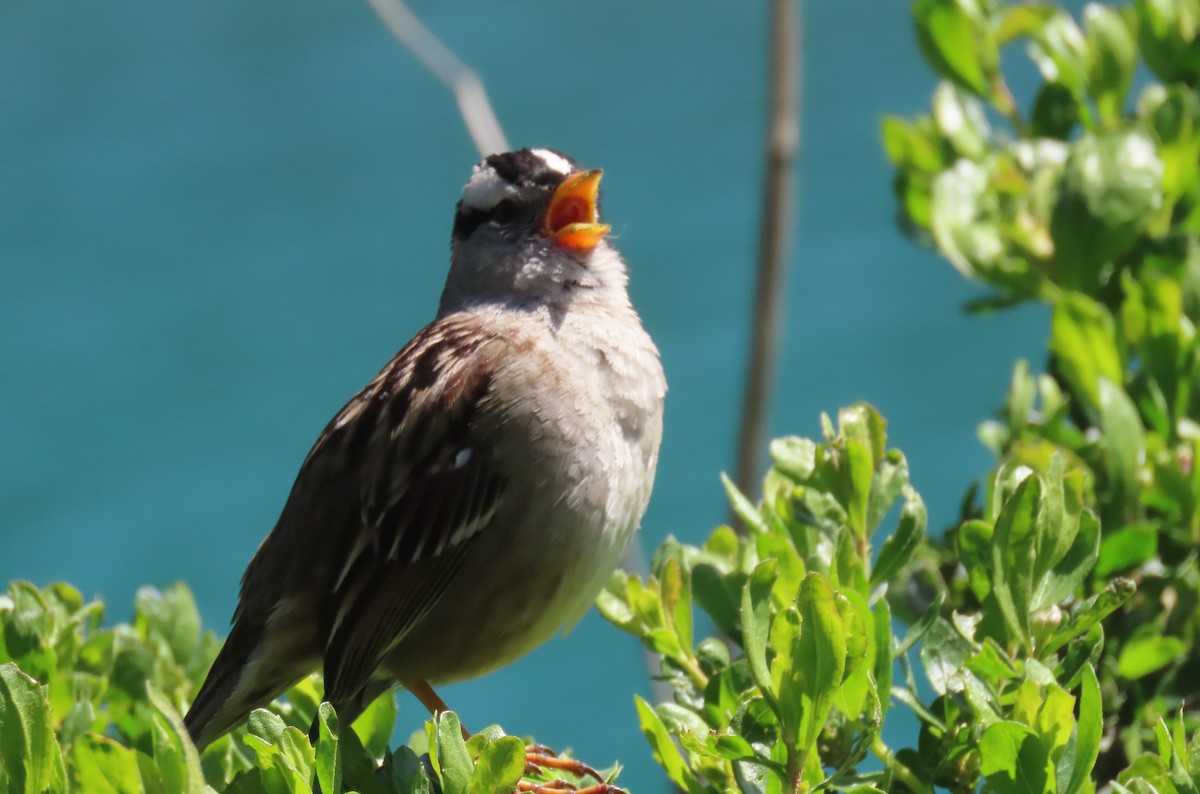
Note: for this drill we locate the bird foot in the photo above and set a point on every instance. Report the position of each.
(539, 757)
(559, 786)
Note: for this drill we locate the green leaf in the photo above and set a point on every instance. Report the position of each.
(1174, 120)
(1126, 547)
(900, 546)
(1013, 545)
(1111, 59)
(820, 657)
(266, 725)
(296, 759)
(944, 653)
(613, 607)
(328, 757)
(499, 767)
(1059, 50)
(406, 773)
(1081, 652)
(726, 692)
(1110, 190)
(743, 508)
(454, 762)
(973, 542)
(30, 759)
(859, 635)
(1058, 515)
(1022, 21)
(1018, 404)
(1055, 719)
(884, 660)
(677, 601)
(794, 457)
(958, 42)
(720, 596)
(1147, 652)
(174, 753)
(360, 770)
(1091, 612)
(1167, 39)
(1088, 733)
(891, 478)
(964, 219)
(374, 726)
(1083, 338)
(961, 121)
(665, 752)
(1074, 567)
(860, 468)
(756, 623)
(104, 767)
(1056, 111)
(733, 748)
(1124, 442)
(1014, 761)
(171, 617)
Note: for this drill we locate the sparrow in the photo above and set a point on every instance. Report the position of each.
(475, 496)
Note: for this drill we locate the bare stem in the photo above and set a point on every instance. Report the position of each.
(775, 236)
(468, 89)
(796, 761)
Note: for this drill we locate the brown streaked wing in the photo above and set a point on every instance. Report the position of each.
(428, 485)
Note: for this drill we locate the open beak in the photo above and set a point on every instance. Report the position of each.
(571, 216)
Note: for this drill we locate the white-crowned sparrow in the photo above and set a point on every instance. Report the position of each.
(476, 495)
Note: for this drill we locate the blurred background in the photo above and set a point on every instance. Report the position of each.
(219, 218)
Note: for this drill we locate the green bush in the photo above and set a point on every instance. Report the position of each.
(1056, 623)
(90, 709)
(1047, 642)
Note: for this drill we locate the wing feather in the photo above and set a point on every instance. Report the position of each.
(429, 485)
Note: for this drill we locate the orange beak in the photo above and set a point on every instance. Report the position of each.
(571, 216)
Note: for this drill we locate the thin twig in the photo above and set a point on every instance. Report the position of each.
(783, 139)
(468, 89)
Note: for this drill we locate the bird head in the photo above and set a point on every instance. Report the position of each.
(527, 230)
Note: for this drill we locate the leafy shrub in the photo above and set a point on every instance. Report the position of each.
(1056, 624)
(92, 709)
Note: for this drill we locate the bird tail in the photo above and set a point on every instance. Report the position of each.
(254, 666)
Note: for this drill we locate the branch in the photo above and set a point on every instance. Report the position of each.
(783, 140)
(468, 89)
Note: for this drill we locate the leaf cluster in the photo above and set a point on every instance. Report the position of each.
(86, 708)
(1086, 199)
(792, 690)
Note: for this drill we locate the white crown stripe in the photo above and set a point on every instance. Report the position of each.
(556, 162)
(486, 189)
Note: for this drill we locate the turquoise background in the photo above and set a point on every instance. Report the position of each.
(219, 218)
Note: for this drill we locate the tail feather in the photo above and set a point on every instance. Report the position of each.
(254, 667)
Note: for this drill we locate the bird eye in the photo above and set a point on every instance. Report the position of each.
(506, 212)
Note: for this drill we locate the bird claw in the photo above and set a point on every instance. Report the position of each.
(539, 757)
(558, 786)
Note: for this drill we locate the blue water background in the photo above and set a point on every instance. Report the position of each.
(219, 218)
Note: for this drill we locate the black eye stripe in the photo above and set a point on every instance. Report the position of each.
(506, 211)
(468, 219)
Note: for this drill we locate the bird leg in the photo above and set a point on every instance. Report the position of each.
(558, 786)
(430, 700)
(538, 756)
